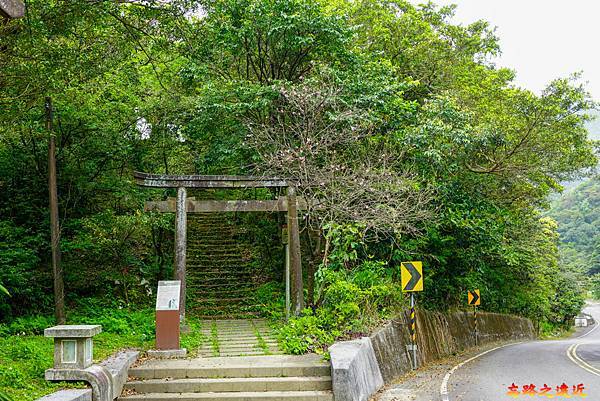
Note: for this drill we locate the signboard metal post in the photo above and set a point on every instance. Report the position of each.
(413, 329)
(475, 317)
(412, 281)
(474, 298)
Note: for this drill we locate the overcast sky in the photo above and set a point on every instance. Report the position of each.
(541, 39)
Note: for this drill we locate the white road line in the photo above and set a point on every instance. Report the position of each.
(572, 354)
(444, 386)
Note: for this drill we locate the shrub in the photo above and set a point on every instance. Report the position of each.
(27, 325)
(351, 302)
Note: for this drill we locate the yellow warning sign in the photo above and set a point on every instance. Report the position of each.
(412, 276)
(473, 297)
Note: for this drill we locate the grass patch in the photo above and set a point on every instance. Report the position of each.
(193, 340)
(262, 345)
(25, 353)
(214, 338)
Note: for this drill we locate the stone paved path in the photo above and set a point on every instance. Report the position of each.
(237, 337)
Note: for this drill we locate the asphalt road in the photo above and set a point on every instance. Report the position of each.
(573, 361)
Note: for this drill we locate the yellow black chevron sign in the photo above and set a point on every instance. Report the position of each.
(412, 276)
(473, 297)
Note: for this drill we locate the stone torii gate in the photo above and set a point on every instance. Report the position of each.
(182, 205)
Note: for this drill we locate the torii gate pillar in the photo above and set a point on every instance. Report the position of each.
(181, 245)
(294, 250)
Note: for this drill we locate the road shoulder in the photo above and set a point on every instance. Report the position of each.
(424, 383)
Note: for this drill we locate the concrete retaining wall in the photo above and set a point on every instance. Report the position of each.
(356, 377)
(440, 335)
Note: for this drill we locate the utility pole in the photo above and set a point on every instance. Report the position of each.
(59, 287)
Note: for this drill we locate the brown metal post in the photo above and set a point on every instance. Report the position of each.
(59, 289)
(294, 252)
(181, 245)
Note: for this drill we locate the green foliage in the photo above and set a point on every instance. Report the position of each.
(354, 296)
(4, 397)
(595, 286)
(352, 302)
(23, 360)
(115, 318)
(308, 333)
(25, 354)
(266, 41)
(193, 339)
(577, 212)
(148, 87)
(27, 326)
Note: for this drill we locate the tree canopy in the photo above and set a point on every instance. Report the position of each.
(392, 120)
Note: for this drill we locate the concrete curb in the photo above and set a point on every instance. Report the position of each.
(69, 395)
(355, 371)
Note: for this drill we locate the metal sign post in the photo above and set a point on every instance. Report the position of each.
(474, 298)
(475, 317)
(413, 329)
(412, 281)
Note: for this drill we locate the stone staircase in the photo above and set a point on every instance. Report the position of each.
(252, 378)
(237, 338)
(222, 276)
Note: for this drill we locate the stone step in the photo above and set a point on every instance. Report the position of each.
(242, 348)
(201, 313)
(199, 270)
(239, 336)
(234, 333)
(199, 244)
(251, 384)
(212, 279)
(209, 287)
(217, 252)
(241, 396)
(260, 366)
(229, 255)
(237, 259)
(249, 353)
(216, 297)
(230, 311)
(211, 241)
(220, 291)
(210, 229)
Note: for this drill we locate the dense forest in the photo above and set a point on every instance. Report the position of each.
(406, 141)
(577, 212)
(578, 215)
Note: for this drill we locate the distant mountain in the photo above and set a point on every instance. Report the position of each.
(577, 211)
(594, 126)
(578, 215)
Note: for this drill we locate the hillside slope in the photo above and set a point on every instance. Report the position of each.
(577, 212)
